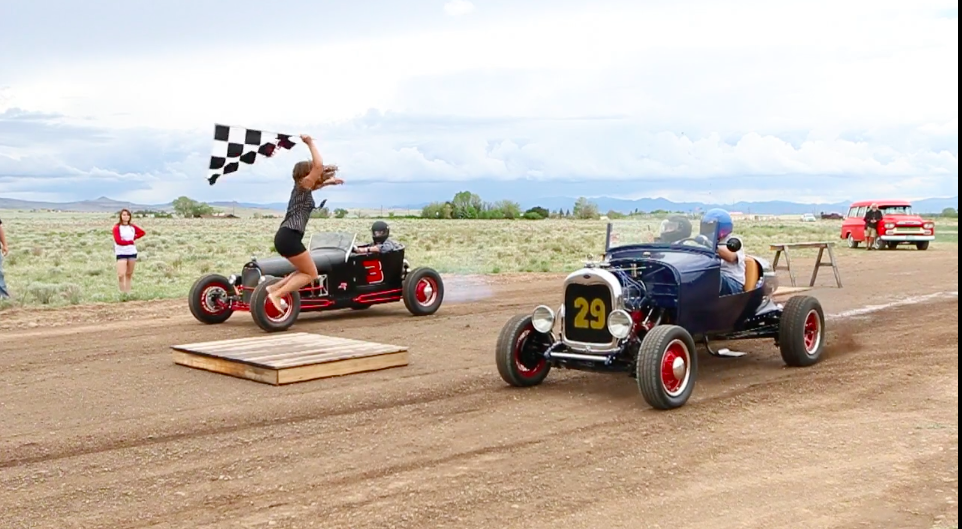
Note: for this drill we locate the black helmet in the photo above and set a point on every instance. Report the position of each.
(674, 229)
(380, 231)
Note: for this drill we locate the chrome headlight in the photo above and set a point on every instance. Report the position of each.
(619, 323)
(542, 318)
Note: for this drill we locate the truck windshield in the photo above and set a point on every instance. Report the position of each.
(896, 210)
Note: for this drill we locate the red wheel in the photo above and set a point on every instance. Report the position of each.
(275, 315)
(666, 367)
(422, 291)
(268, 317)
(426, 291)
(209, 299)
(675, 368)
(813, 332)
(520, 353)
(801, 333)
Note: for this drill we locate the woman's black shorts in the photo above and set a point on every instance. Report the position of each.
(288, 242)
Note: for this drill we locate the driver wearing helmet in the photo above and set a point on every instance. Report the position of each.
(674, 229)
(379, 234)
(732, 263)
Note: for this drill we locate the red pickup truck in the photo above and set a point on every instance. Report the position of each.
(898, 226)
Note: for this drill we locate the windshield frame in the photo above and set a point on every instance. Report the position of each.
(332, 240)
(707, 235)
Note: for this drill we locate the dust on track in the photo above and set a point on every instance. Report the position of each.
(101, 429)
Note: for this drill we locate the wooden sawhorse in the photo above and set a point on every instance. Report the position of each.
(780, 249)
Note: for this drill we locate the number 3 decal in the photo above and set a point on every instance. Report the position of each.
(374, 273)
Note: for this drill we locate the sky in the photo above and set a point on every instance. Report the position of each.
(808, 101)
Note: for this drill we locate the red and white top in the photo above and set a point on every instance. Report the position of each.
(124, 237)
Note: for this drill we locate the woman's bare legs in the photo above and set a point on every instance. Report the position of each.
(273, 288)
(122, 274)
(130, 272)
(306, 272)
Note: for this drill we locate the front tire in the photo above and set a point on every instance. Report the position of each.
(667, 367)
(422, 291)
(269, 318)
(923, 245)
(519, 353)
(208, 299)
(801, 333)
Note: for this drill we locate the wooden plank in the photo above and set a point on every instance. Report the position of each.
(787, 292)
(346, 367)
(782, 246)
(290, 357)
(226, 367)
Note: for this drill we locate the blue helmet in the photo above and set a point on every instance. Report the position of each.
(722, 218)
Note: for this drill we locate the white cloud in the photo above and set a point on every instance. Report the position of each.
(458, 8)
(862, 90)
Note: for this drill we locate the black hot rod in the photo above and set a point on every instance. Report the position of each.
(346, 280)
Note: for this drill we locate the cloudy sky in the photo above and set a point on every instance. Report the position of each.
(809, 100)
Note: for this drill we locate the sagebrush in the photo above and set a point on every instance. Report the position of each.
(67, 258)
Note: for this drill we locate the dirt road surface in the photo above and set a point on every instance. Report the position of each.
(100, 429)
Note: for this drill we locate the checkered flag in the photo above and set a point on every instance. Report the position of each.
(233, 145)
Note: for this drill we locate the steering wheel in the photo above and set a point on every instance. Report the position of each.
(699, 240)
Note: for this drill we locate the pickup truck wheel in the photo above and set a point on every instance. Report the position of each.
(852, 243)
(666, 367)
(924, 245)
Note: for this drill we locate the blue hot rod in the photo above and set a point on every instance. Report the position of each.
(641, 309)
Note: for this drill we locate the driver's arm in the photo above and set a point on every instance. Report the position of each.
(727, 254)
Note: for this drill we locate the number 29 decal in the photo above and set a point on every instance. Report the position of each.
(596, 308)
(374, 273)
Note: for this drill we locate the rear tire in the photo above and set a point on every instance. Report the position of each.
(801, 333)
(518, 350)
(266, 316)
(667, 367)
(206, 299)
(422, 291)
(852, 243)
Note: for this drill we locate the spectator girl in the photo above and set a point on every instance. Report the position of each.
(125, 234)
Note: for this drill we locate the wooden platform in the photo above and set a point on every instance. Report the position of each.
(285, 358)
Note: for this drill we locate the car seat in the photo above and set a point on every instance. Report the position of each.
(752, 273)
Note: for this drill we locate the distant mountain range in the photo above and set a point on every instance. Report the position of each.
(774, 207)
(107, 205)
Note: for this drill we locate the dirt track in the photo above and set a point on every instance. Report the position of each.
(101, 429)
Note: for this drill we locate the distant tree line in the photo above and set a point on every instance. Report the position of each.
(464, 205)
(468, 205)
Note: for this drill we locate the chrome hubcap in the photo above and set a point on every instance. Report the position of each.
(678, 368)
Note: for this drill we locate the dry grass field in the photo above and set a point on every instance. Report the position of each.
(59, 259)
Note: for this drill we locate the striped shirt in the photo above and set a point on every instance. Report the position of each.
(299, 209)
(388, 246)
